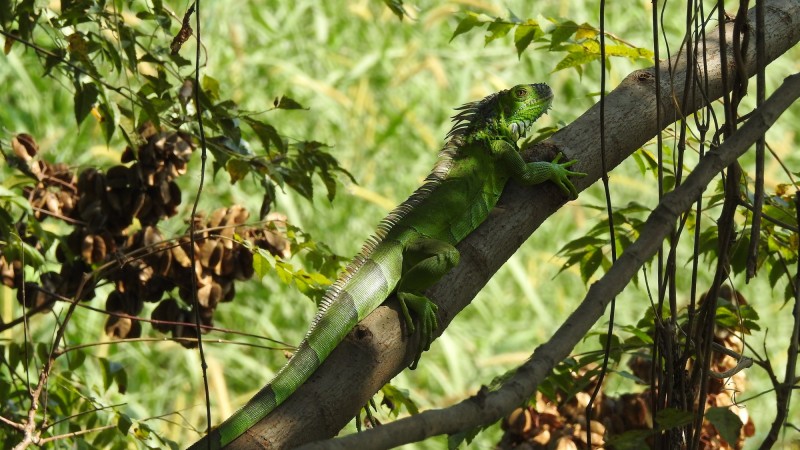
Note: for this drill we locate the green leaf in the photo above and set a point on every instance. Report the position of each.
(561, 33)
(643, 336)
(237, 168)
(127, 41)
(284, 102)
(111, 372)
(393, 396)
(497, 29)
(124, 423)
(776, 271)
(726, 422)
(19, 352)
(586, 31)
(266, 133)
(7, 195)
(630, 440)
(575, 60)
(590, 263)
(43, 352)
(581, 243)
(525, 34)
(85, 98)
(109, 119)
(455, 440)
(628, 52)
(105, 438)
(211, 87)
(603, 339)
(6, 15)
(75, 359)
(632, 377)
(396, 6)
(469, 22)
(261, 262)
(670, 418)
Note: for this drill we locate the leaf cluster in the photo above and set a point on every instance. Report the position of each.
(122, 64)
(580, 42)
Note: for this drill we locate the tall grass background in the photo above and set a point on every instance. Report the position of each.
(380, 91)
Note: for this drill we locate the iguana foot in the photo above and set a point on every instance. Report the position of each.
(425, 310)
(560, 176)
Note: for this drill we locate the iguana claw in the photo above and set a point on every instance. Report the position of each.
(560, 176)
(425, 310)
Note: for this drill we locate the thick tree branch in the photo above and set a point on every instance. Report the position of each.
(488, 407)
(376, 350)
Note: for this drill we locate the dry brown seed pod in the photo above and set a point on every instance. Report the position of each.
(118, 177)
(24, 146)
(206, 248)
(174, 193)
(244, 266)
(91, 211)
(128, 155)
(60, 172)
(542, 438)
(519, 421)
(228, 290)
(241, 216)
(227, 265)
(32, 296)
(151, 236)
(71, 279)
(7, 272)
(93, 248)
(147, 130)
(123, 328)
(566, 443)
(38, 168)
(209, 296)
(215, 220)
(52, 203)
(177, 168)
(67, 201)
(180, 254)
(215, 258)
(166, 311)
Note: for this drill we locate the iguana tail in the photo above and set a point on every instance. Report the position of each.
(361, 288)
(366, 283)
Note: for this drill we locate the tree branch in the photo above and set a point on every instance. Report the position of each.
(375, 350)
(488, 407)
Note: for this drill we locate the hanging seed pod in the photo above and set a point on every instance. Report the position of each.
(8, 271)
(519, 422)
(123, 327)
(166, 311)
(24, 146)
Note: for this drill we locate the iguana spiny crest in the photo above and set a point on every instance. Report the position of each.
(507, 114)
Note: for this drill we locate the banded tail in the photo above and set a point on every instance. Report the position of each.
(362, 287)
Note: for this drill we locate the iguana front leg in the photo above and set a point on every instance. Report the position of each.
(536, 172)
(425, 261)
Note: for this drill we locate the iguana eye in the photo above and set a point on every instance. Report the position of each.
(521, 92)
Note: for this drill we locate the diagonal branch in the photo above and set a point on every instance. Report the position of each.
(488, 407)
(376, 350)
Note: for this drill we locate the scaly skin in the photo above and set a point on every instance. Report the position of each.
(415, 244)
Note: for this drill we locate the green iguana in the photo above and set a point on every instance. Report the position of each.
(414, 245)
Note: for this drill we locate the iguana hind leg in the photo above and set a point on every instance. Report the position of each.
(425, 261)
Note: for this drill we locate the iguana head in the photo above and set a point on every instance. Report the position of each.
(522, 105)
(507, 114)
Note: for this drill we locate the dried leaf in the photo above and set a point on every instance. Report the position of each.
(184, 33)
